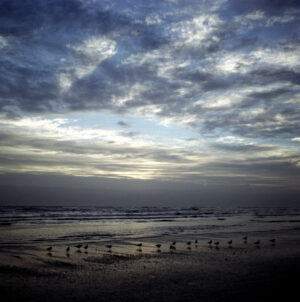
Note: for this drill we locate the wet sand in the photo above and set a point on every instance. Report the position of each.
(242, 272)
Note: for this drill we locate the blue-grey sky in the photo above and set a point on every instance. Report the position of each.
(150, 102)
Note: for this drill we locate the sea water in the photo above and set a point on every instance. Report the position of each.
(38, 227)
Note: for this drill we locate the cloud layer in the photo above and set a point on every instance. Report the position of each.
(226, 71)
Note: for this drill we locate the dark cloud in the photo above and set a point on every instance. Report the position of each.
(123, 124)
(43, 189)
(272, 94)
(268, 6)
(38, 34)
(276, 75)
(242, 148)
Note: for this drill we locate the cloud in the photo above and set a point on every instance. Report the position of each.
(123, 124)
(91, 52)
(242, 148)
(226, 70)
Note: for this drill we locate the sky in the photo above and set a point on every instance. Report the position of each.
(164, 102)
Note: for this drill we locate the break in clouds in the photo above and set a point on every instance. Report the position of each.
(199, 92)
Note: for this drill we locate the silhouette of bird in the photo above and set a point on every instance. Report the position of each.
(49, 249)
(86, 247)
(158, 245)
(172, 247)
(229, 242)
(272, 240)
(245, 238)
(257, 243)
(209, 242)
(68, 249)
(109, 246)
(196, 241)
(78, 246)
(139, 244)
(188, 243)
(217, 243)
(174, 243)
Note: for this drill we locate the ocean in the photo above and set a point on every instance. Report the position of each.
(36, 228)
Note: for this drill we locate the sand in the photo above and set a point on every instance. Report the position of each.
(242, 272)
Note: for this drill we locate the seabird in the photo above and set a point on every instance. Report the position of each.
(174, 243)
(217, 243)
(158, 245)
(273, 240)
(86, 247)
(245, 238)
(49, 249)
(68, 249)
(229, 242)
(78, 246)
(139, 244)
(109, 246)
(172, 247)
(188, 243)
(209, 242)
(257, 242)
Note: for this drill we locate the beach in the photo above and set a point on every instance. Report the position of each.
(199, 271)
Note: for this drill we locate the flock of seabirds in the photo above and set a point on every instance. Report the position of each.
(172, 246)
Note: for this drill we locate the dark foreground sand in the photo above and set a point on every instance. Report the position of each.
(200, 274)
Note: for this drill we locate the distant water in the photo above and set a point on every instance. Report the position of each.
(68, 225)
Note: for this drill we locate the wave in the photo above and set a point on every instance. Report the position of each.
(58, 215)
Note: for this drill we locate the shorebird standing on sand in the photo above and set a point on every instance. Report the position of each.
(86, 247)
(78, 246)
(172, 247)
(139, 245)
(174, 243)
(209, 242)
(245, 238)
(272, 240)
(109, 246)
(67, 249)
(257, 243)
(49, 249)
(230, 242)
(158, 245)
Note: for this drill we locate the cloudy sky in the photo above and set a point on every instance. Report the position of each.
(150, 102)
